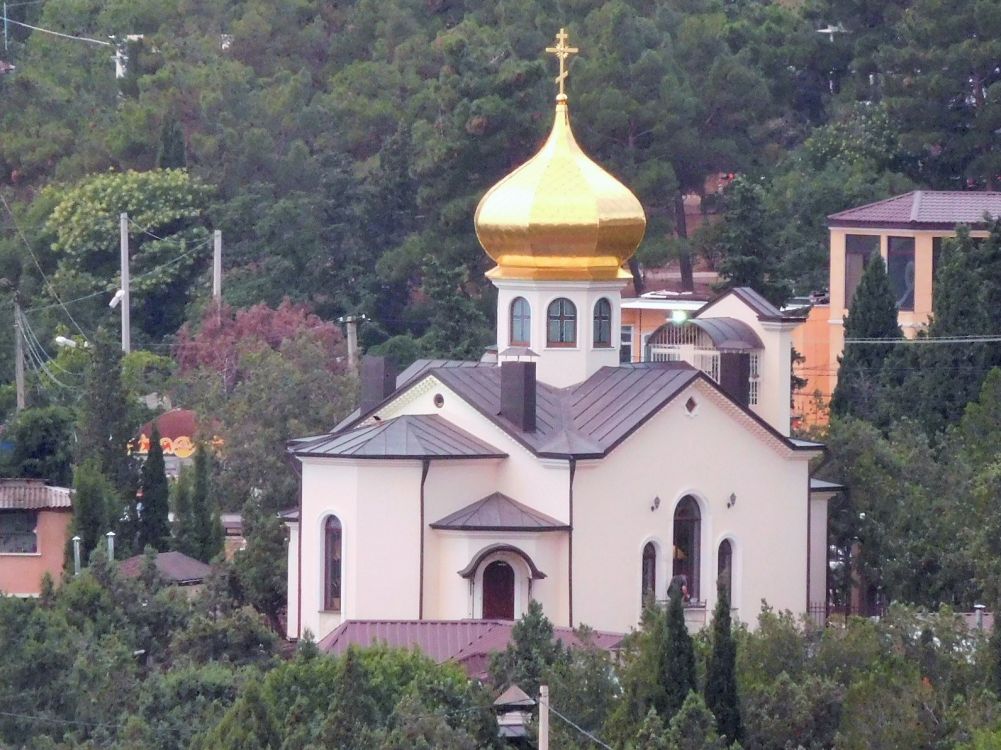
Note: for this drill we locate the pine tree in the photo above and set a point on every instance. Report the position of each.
(873, 315)
(721, 671)
(206, 525)
(692, 727)
(677, 672)
(91, 518)
(154, 526)
(172, 148)
(353, 711)
(651, 735)
(248, 725)
(530, 655)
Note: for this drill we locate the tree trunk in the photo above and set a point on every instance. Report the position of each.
(684, 257)
(634, 269)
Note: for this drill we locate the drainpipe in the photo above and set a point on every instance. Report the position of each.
(572, 464)
(425, 467)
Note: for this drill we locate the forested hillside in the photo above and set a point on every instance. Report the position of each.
(342, 147)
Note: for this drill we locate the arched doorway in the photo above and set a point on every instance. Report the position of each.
(498, 591)
(687, 544)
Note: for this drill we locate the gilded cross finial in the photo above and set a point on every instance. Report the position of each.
(562, 52)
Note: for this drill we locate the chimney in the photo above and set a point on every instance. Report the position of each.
(518, 394)
(378, 381)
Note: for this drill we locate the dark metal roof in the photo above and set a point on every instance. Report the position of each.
(583, 421)
(469, 643)
(470, 570)
(923, 209)
(176, 567)
(498, 512)
(727, 334)
(33, 494)
(409, 436)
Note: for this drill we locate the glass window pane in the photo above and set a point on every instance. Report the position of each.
(17, 532)
(858, 249)
(900, 267)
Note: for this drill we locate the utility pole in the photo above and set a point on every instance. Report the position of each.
(351, 326)
(543, 717)
(126, 331)
(18, 353)
(217, 269)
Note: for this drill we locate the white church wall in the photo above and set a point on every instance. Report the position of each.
(775, 363)
(292, 579)
(709, 456)
(818, 547)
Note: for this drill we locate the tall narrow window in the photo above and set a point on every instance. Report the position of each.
(626, 344)
(687, 545)
(900, 269)
(858, 249)
(561, 323)
(603, 323)
(521, 322)
(649, 579)
(724, 567)
(332, 565)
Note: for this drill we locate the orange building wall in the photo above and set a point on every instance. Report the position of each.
(812, 341)
(644, 322)
(22, 574)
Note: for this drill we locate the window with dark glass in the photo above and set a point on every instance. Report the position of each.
(649, 579)
(18, 532)
(900, 269)
(858, 249)
(603, 323)
(687, 546)
(521, 322)
(626, 344)
(561, 323)
(332, 564)
(724, 565)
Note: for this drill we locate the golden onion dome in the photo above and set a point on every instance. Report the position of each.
(559, 216)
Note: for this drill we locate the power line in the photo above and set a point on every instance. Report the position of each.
(580, 729)
(57, 33)
(38, 265)
(930, 340)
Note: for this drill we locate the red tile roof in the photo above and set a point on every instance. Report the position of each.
(922, 209)
(175, 567)
(33, 494)
(468, 643)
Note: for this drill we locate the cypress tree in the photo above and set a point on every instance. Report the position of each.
(185, 537)
(873, 315)
(248, 725)
(90, 506)
(677, 673)
(154, 527)
(207, 528)
(721, 671)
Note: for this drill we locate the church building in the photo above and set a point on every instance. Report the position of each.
(464, 490)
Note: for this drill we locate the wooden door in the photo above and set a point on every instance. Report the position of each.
(498, 591)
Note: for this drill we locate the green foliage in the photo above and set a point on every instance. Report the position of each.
(872, 315)
(677, 668)
(208, 533)
(93, 507)
(260, 567)
(721, 672)
(43, 445)
(530, 655)
(693, 727)
(248, 725)
(153, 526)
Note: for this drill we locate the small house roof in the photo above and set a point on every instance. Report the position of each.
(922, 209)
(498, 512)
(468, 643)
(33, 494)
(175, 567)
(514, 696)
(408, 436)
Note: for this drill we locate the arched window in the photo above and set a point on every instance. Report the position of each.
(521, 322)
(724, 566)
(561, 319)
(687, 543)
(332, 564)
(602, 323)
(649, 571)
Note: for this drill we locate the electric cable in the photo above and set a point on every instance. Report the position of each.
(57, 33)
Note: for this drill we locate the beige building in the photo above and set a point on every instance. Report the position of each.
(907, 231)
(464, 490)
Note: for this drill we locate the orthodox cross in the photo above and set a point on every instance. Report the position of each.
(562, 52)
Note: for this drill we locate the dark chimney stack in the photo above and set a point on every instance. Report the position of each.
(518, 394)
(378, 381)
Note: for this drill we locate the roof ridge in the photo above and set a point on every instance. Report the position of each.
(874, 203)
